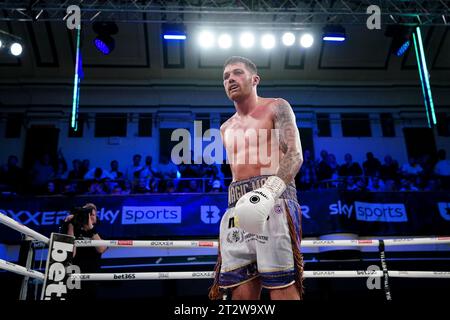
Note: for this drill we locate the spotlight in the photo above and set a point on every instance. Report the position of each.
(334, 33)
(247, 40)
(225, 41)
(400, 38)
(306, 40)
(16, 49)
(206, 39)
(104, 42)
(268, 41)
(288, 39)
(11, 42)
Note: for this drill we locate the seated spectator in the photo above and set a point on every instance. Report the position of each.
(360, 185)
(126, 187)
(216, 186)
(411, 168)
(407, 185)
(390, 186)
(442, 167)
(375, 184)
(96, 187)
(51, 189)
(117, 190)
(350, 184)
(170, 187)
(372, 166)
(349, 168)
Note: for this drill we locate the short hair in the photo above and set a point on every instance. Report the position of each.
(250, 65)
(90, 206)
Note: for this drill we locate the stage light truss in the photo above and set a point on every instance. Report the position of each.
(281, 13)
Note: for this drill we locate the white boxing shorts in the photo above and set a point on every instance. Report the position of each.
(270, 255)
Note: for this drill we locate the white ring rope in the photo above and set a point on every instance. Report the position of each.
(13, 224)
(210, 274)
(9, 266)
(214, 244)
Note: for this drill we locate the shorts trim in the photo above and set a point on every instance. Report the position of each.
(238, 275)
(239, 283)
(280, 287)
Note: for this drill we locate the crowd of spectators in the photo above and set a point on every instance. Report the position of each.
(426, 173)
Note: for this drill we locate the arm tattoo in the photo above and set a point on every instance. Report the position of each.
(289, 140)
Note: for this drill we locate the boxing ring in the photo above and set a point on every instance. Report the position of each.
(381, 244)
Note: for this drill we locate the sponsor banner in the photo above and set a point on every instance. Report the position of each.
(194, 216)
(390, 212)
(56, 279)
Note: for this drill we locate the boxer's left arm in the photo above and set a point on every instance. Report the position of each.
(289, 140)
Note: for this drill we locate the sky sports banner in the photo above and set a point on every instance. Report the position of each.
(185, 216)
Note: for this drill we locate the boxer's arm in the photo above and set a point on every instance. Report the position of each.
(289, 140)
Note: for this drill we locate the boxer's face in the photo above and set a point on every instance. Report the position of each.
(238, 81)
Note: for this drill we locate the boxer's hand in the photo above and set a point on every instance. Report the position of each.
(253, 209)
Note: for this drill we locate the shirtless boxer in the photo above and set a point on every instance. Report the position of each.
(260, 232)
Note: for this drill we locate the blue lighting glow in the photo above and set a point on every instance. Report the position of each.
(403, 49)
(334, 38)
(102, 46)
(175, 37)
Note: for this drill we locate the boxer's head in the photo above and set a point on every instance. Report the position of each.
(240, 77)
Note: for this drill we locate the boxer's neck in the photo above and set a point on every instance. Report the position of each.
(247, 105)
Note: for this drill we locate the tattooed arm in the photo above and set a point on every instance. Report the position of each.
(289, 140)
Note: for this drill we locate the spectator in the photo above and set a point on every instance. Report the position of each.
(442, 167)
(324, 171)
(372, 166)
(349, 168)
(97, 174)
(307, 176)
(376, 184)
(85, 167)
(411, 168)
(390, 186)
(96, 187)
(216, 186)
(389, 169)
(76, 173)
(133, 172)
(114, 173)
(407, 185)
(41, 173)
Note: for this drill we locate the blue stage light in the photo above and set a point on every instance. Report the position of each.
(334, 33)
(174, 37)
(403, 48)
(104, 42)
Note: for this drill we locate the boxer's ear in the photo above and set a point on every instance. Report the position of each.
(256, 80)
